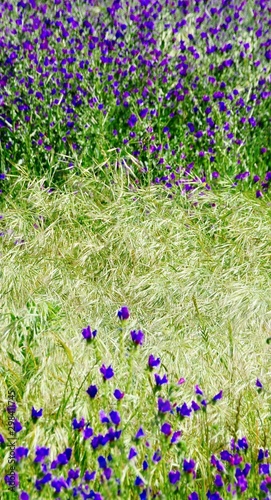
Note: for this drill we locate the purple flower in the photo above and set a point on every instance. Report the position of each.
(2, 176)
(123, 313)
(193, 496)
(181, 381)
(132, 453)
(218, 396)
(103, 417)
(175, 437)
(20, 453)
(78, 424)
(264, 468)
(217, 464)
(118, 394)
(138, 481)
(140, 433)
(24, 496)
(191, 126)
(39, 483)
(215, 175)
(2, 440)
(35, 414)
(41, 454)
(218, 481)
(174, 476)
(160, 380)
(115, 417)
(17, 426)
(259, 194)
(73, 474)
(107, 373)
(88, 334)
(183, 410)
(189, 466)
(164, 406)
(137, 337)
(89, 476)
(153, 362)
(157, 456)
(166, 429)
(198, 390)
(143, 112)
(92, 391)
(242, 483)
(102, 462)
(132, 120)
(259, 385)
(195, 406)
(262, 454)
(12, 480)
(88, 432)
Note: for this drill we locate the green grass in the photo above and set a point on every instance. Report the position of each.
(196, 280)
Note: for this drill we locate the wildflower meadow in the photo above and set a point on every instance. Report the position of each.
(135, 237)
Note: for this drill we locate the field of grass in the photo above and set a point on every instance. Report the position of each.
(135, 236)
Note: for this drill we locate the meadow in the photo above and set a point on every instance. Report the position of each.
(135, 236)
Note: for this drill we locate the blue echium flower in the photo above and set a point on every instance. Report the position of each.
(164, 406)
(87, 432)
(24, 496)
(92, 391)
(89, 476)
(36, 414)
(132, 453)
(138, 481)
(175, 437)
(20, 453)
(107, 372)
(217, 464)
(78, 424)
(259, 385)
(218, 481)
(2, 440)
(140, 433)
(189, 466)
(195, 406)
(39, 483)
(153, 362)
(88, 334)
(104, 419)
(115, 417)
(132, 120)
(262, 454)
(166, 429)
(174, 476)
(102, 462)
(118, 394)
(183, 410)
(160, 380)
(218, 396)
(62, 459)
(193, 496)
(123, 313)
(137, 337)
(41, 454)
(157, 456)
(58, 484)
(17, 426)
(12, 480)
